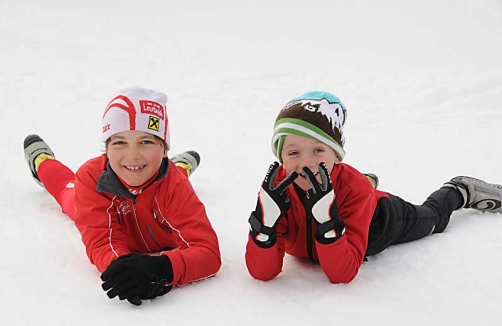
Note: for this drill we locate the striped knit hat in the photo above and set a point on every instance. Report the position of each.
(137, 108)
(317, 115)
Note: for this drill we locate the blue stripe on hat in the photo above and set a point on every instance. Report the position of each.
(319, 95)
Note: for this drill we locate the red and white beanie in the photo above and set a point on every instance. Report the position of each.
(137, 108)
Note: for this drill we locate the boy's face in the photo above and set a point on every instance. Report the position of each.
(298, 152)
(135, 156)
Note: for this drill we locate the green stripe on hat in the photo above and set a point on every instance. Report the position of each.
(292, 126)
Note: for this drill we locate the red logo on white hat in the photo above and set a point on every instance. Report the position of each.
(152, 108)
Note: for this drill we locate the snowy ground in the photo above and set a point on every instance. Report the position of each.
(422, 82)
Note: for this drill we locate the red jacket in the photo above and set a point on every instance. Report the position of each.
(339, 260)
(167, 217)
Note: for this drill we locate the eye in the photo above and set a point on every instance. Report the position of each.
(319, 150)
(293, 153)
(147, 142)
(118, 143)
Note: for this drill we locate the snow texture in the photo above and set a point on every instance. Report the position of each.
(422, 84)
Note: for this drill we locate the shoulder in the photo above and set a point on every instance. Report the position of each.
(174, 181)
(93, 167)
(347, 177)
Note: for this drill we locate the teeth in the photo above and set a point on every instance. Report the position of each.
(303, 174)
(134, 167)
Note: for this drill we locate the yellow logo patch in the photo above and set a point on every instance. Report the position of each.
(153, 123)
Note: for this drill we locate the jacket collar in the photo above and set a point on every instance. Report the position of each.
(109, 182)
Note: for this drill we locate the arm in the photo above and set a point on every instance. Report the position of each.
(95, 218)
(199, 255)
(341, 235)
(264, 261)
(266, 243)
(341, 259)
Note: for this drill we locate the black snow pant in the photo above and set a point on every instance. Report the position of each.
(398, 221)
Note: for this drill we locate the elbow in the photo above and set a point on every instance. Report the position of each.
(263, 275)
(335, 277)
(217, 263)
(343, 280)
(262, 272)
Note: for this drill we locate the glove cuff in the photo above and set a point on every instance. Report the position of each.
(257, 226)
(165, 268)
(272, 239)
(337, 226)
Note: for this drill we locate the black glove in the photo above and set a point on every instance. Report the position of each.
(320, 202)
(272, 204)
(151, 291)
(130, 275)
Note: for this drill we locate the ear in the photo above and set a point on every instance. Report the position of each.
(164, 147)
(337, 159)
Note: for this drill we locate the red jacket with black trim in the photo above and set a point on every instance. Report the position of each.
(339, 260)
(167, 217)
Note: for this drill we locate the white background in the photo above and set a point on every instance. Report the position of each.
(422, 83)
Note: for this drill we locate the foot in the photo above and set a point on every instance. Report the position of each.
(36, 151)
(189, 161)
(372, 178)
(478, 194)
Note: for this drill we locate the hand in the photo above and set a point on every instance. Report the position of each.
(130, 275)
(320, 202)
(272, 204)
(151, 291)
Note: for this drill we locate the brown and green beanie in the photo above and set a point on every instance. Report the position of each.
(317, 115)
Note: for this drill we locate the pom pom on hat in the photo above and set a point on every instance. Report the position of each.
(137, 108)
(317, 115)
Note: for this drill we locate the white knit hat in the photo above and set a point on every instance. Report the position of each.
(137, 108)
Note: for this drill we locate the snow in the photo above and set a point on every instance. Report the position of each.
(422, 83)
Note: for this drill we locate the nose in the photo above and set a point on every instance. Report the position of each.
(133, 152)
(307, 162)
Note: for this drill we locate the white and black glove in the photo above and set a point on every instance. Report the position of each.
(272, 204)
(320, 202)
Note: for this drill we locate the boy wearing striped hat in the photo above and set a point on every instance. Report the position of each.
(314, 206)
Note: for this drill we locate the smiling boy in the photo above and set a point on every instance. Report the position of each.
(140, 220)
(314, 206)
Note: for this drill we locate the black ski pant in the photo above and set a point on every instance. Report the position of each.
(417, 221)
(396, 220)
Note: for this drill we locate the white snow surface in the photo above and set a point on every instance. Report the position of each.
(422, 83)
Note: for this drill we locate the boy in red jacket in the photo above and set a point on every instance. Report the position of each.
(140, 220)
(316, 207)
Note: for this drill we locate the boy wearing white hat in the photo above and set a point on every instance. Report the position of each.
(140, 220)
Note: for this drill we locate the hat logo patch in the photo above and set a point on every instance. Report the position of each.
(330, 110)
(153, 123)
(152, 108)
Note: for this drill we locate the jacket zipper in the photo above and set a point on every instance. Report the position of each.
(309, 237)
(137, 225)
(309, 217)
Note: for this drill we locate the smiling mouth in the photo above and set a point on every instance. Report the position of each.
(134, 168)
(303, 175)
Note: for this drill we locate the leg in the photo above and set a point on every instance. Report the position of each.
(373, 179)
(50, 173)
(186, 162)
(418, 221)
(58, 180)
